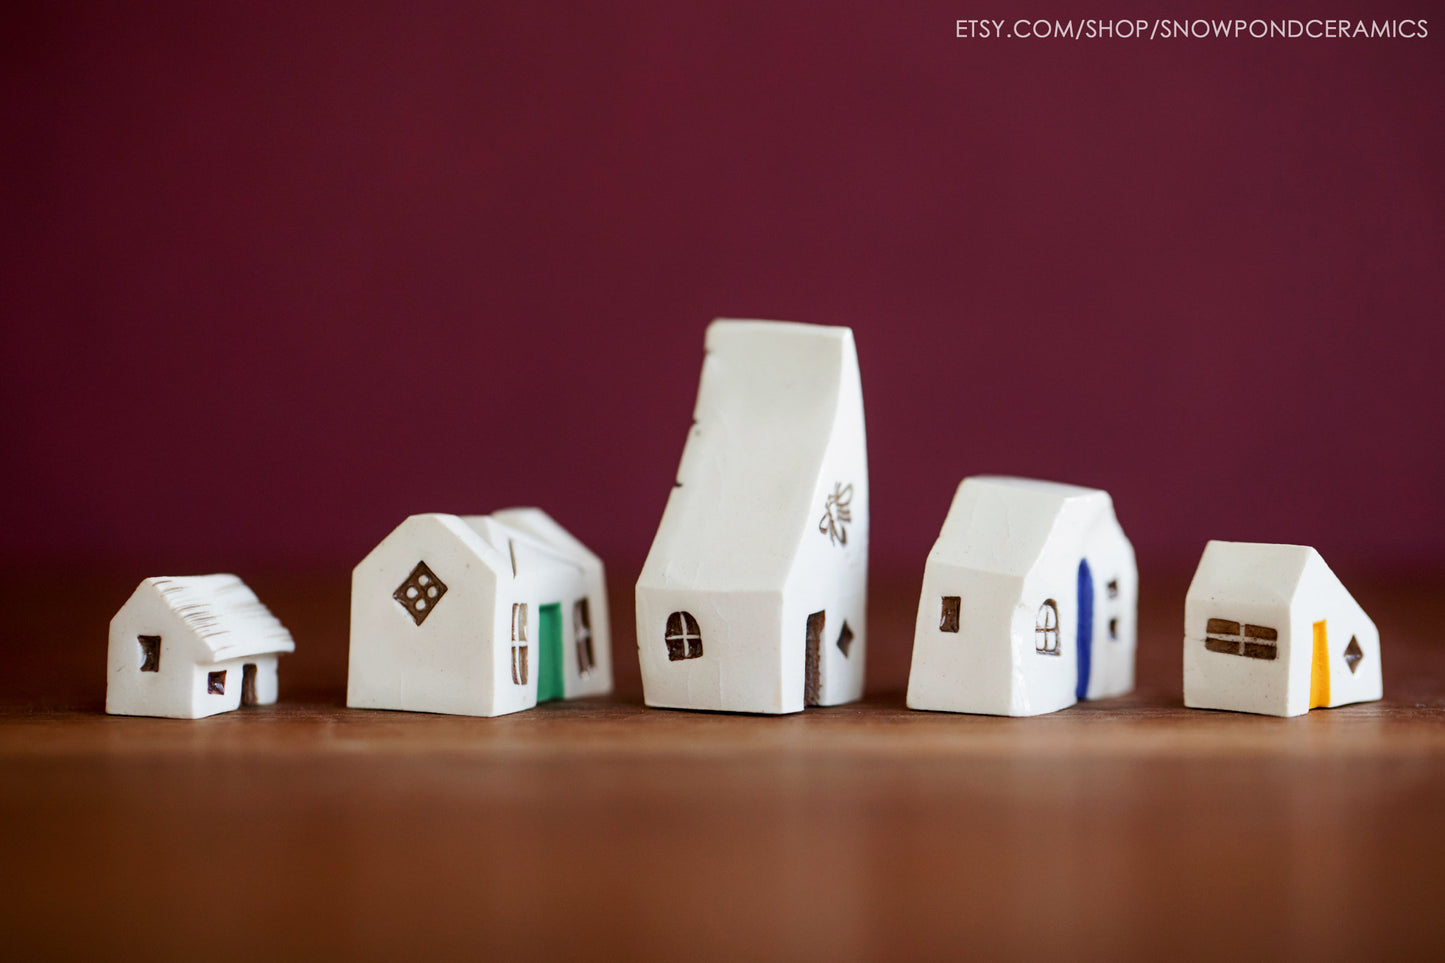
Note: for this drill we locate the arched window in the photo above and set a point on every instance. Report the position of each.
(1046, 629)
(684, 638)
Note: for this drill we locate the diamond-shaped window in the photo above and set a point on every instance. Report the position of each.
(420, 593)
(1353, 654)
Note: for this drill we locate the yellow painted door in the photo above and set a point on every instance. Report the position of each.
(1320, 667)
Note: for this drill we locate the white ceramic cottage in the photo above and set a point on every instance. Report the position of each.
(753, 598)
(188, 647)
(478, 615)
(1270, 629)
(1028, 604)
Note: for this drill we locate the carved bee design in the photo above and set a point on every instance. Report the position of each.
(837, 513)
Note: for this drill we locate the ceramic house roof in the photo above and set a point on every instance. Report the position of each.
(541, 526)
(508, 550)
(1002, 524)
(522, 549)
(1252, 572)
(224, 614)
(767, 403)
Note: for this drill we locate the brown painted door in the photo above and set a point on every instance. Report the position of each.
(812, 669)
(248, 684)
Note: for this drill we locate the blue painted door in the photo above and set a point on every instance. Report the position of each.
(1086, 627)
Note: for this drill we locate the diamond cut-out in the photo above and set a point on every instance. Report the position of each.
(420, 593)
(1353, 654)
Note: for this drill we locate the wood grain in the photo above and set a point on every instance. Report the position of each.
(1124, 828)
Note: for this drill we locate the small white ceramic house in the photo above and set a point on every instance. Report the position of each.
(1028, 604)
(753, 598)
(188, 647)
(1270, 629)
(478, 615)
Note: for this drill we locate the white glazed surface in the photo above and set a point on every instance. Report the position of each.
(459, 659)
(1006, 546)
(743, 544)
(1288, 588)
(206, 623)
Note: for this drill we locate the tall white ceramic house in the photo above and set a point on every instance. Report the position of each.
(753, 597)
(1270, 629)
(192, 646)
(1028, 604)
(478, 615)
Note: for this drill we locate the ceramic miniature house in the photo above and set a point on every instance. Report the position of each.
(1028, 604)
(753, 595)
(478, 615)
(1270, 629)
(192, 647)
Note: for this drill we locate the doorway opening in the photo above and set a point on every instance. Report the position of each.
(248, 684)
(813, 660)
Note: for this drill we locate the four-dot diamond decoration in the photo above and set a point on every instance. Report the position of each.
(420, 593)
(1353, 654)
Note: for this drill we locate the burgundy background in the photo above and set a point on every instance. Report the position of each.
(275, 277)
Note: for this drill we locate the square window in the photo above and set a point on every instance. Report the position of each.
(948, 622)
(216, 683)
(150, 653)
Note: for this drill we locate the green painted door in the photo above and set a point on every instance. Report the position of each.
(549, 655)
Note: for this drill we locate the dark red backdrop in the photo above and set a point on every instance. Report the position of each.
(274, 278)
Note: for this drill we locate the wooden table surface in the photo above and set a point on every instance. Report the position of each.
(1125, 828)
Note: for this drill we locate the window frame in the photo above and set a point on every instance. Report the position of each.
(683, 637)
(519, 643)
(1246, 640)
(420, 593)
(1042, 630)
